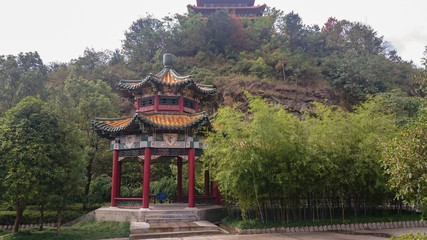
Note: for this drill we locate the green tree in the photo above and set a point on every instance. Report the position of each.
(107, 66)
(424, 59)
(403, 107)
(261, 30)
(144, 38)
(405, 161)
(65, 176)
(344, 36)
(219, 34)
(188, 35)
(261, 69)
(91, 65)
(35, 147)
(83, 100)
(356, 75)
(20, 76)
(295, 30)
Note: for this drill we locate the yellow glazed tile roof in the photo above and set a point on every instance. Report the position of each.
(117, 123)
(169, 78)
(172, 120)
(159, 120)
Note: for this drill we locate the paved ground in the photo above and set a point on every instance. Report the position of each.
(337, 235)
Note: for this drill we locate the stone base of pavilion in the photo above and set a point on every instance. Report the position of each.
(157, 212)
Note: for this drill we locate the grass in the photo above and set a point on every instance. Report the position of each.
(250, 224)
(89, 230)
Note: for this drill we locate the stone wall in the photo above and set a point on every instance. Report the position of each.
(336, 227)
(9, 227)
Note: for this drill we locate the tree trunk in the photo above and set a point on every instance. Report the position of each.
(88, 182)
(58, 223)
(41, 217)
(317, 208)
(19, 211)
(287, 213)
(89, 174)
(329, 205)
(282, 214)
(342, 206)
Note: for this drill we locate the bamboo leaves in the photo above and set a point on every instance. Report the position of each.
(269, 155)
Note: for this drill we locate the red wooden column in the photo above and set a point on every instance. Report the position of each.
(211, 189)
(115, 174)
(146, 178)
(137, 103)
(217, 194)
(179, 180)
(191, 177)
(156, 103)
(196, 106)
(119, 178)
(181, 103)
(206, 184)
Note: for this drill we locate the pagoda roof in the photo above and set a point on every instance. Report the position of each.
(203, 2)
(167, 77)
(159, 120)
(254, 11)
(254, 8)
(259, 7)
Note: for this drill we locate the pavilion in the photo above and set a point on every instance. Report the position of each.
(167, 123)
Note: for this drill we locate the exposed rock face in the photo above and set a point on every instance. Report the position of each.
(293, 98)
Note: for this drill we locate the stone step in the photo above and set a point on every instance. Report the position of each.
(165, 220)
(171, 227)
(169, 211)
(173, 234)
(156, 218)
(169, 215)
(143, 230)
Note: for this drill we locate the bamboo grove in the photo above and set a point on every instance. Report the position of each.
(274, 166)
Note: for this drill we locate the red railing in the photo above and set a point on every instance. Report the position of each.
(171, 199)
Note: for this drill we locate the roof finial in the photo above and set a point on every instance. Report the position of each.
(168, 59)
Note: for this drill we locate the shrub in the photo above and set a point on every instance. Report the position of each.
(33, 217)
(411, 236)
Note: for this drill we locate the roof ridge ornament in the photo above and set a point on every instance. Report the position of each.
(168, 60)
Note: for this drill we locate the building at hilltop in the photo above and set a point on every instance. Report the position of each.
(167, 123)
(238, 8)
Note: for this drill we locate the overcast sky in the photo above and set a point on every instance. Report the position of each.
(60, 30)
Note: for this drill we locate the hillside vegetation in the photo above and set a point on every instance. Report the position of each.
(276, 56)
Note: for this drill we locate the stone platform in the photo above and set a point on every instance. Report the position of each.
(143, 230)
(176, 212)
